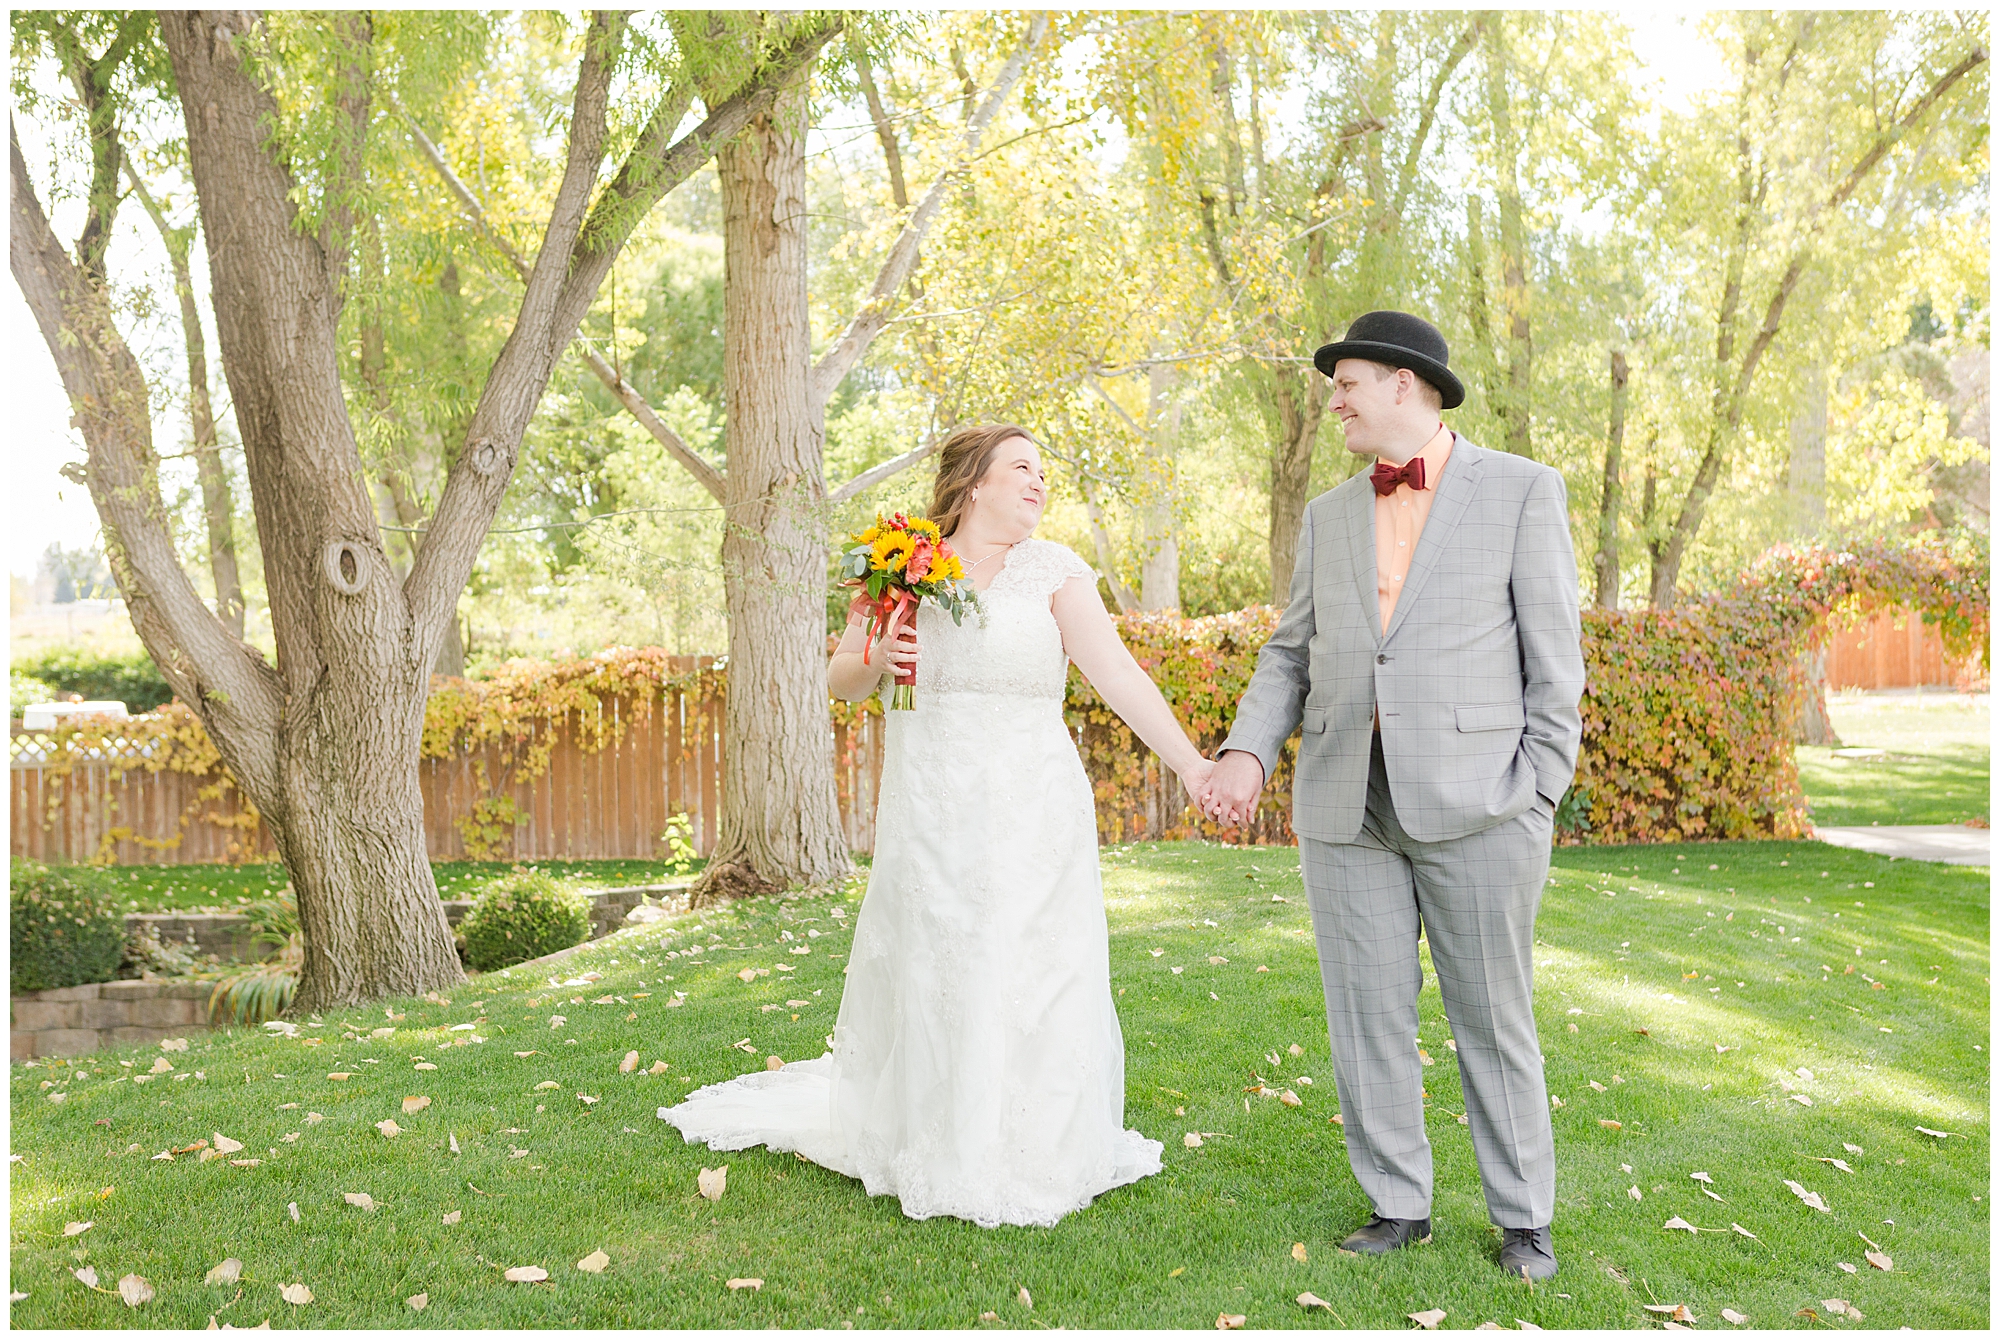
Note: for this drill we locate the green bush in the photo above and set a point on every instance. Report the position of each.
(65, 929)
(25, 689)
(521, 916)
(131, 678)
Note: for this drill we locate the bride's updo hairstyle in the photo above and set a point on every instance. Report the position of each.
(962, 462)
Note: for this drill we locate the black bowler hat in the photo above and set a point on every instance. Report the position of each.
(1401, 341)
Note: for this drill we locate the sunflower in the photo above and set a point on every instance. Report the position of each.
(892, 551)
(924, 526)
(948, 569)
(869, 536)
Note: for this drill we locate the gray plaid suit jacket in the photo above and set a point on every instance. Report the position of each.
(1478, 676)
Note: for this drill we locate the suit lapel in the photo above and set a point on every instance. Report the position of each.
(1455, 492)
(1358, 512)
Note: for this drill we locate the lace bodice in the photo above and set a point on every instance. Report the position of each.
(1011, 645)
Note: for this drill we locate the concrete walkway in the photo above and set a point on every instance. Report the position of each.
(1953, 844)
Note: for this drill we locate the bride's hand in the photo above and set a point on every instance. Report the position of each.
(895, 655)
(1194, 779)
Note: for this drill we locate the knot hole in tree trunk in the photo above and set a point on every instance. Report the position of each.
(344, 568)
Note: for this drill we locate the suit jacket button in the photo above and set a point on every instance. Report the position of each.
(1381, 660)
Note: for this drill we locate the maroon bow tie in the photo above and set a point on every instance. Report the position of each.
(1386, 477)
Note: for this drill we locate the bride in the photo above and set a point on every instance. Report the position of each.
(977, 1067)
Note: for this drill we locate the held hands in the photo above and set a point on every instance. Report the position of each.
(1234, 782)
(1194, 779)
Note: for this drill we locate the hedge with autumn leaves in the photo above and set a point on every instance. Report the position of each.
(1688, 714)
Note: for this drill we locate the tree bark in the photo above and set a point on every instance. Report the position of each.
(780, 821)
(1614, 486)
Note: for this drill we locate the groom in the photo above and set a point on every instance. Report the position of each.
(1430, 654)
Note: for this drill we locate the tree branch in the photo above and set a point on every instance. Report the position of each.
(892, 154)
(875, 474)
(224, 681)
(477, 479)
(873, 314)
(336, 229)
(628, 395)
(635, 404)
(1406, 176)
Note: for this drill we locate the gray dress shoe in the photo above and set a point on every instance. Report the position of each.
(1380, 1235)
(1527, 1252)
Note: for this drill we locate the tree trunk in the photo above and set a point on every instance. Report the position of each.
(1300, 398)
(1815, 723)
(345, 810)
(780, 822)
(1614, 486)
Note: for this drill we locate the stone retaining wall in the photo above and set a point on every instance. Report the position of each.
(72, 1020)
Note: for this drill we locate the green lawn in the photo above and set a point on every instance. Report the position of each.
(1652, 959)
(1935, 770)
(225, 888)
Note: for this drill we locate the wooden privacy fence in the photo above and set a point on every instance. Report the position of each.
(1896, 649)
(612, 802)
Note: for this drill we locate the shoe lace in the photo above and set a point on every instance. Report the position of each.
(1527, 1237)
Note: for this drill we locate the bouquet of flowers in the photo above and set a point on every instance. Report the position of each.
(897, 562)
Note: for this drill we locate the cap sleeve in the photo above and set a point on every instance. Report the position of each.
(1042, 566)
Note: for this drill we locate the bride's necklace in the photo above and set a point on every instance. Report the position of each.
(995, 554)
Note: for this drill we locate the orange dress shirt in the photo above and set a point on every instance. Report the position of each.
(1399, 523)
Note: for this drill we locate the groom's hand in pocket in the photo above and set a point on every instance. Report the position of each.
(1233, 787)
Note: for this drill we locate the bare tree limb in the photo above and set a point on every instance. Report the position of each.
(875, 474)
(873, 314)
(635, 404)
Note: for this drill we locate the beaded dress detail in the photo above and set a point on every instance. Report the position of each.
(978, 1069)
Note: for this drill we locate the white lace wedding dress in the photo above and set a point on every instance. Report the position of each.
(977, 1067)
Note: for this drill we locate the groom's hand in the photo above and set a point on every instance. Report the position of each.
(1233, 787)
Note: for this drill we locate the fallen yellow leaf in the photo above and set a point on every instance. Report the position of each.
(753, 1284)
(712, 1182)
(1428, 1319)
(1299, 1252)
(298, 1295)
(594, 1263)
(526, 1274)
